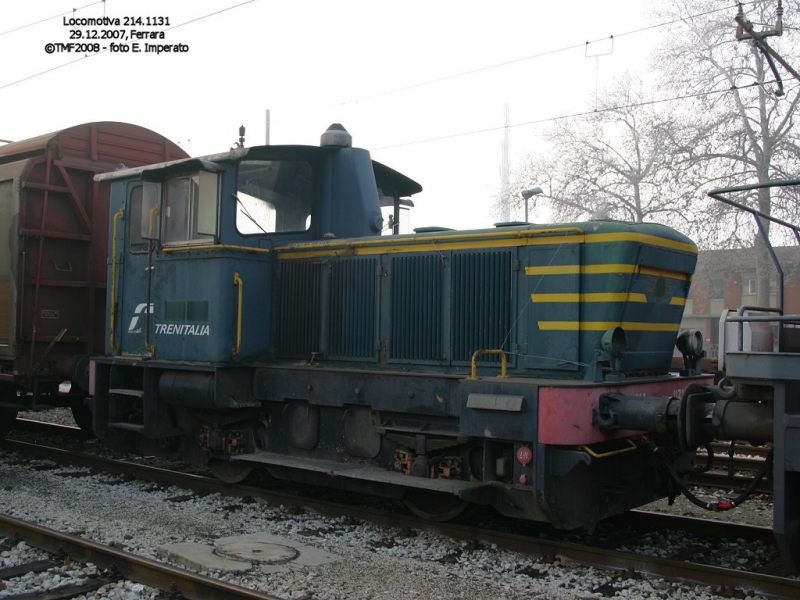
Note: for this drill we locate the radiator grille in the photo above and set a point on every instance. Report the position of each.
(299, 307)
(481, 303)
(354, 301)
(416, 308)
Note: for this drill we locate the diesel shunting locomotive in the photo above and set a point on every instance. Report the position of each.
(258, 319)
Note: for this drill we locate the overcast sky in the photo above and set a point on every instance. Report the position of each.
(409, 80)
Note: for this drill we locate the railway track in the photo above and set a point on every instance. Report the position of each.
(626, 563)
(116, 564)
(733, 467)
(730, 470)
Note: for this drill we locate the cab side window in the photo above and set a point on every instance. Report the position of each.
(136, 243)
(274, 196)
(177, 205)
(183, 208)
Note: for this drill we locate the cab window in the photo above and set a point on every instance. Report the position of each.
(136, 243)
(273, 196)
(184, 209)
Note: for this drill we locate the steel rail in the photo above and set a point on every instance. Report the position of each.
(34, 426)
(130, 566)
(768, 585)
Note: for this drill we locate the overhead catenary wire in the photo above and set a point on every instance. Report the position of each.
(39, 22)
(532, 56)
(388, 92)
(575, 115)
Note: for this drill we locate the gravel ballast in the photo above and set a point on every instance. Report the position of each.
(368, 561)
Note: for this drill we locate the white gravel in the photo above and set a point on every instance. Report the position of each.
(375, 562)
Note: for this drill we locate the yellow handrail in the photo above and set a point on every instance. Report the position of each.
(111, 340)
(156, 210)
(503, 361)
(237, 281)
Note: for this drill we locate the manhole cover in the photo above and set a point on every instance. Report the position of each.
(257, 552)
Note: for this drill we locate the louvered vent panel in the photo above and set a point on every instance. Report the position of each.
(354, 305)
(299, 307)
(481, 303)
(416, 308)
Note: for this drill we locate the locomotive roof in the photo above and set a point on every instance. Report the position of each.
(385, 176)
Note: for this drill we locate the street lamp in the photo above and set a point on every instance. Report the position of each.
(534, 191)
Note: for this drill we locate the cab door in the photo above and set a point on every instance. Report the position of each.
(130, 269)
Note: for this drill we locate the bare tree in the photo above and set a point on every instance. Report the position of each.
(735, 129)
(616, 162)
(635, 159)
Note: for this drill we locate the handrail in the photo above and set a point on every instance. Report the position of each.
(111, 340)
(631, 446)
(156, 210)
(503, 361)
(759, 216)
(742, 310)
(237, 281)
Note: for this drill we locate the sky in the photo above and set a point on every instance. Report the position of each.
(423, 85)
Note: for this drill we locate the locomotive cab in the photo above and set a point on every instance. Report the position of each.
(189, 236)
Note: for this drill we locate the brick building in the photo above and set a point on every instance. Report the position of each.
(727, 279)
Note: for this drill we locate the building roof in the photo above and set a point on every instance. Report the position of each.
(742, 260)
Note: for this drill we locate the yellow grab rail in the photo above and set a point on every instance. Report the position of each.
(237, 281)
(156, 210)
(503, 361)
(111, 340)
(631, 446)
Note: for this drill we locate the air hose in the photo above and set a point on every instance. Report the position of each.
(713, 506)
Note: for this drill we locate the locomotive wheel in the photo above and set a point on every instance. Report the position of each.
(7, 419)
(230, 472)
(434, 506)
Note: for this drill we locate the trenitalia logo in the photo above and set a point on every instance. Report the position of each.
(182, 329)
(140, 309)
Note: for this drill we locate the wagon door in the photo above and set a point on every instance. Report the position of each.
(9, 240)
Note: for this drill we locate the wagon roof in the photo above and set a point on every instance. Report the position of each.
(25, 148)
(99, 142)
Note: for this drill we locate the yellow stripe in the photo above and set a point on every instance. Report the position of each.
(565, 270)
(603, 270)
(593, 297)
(653, 240)
(678, 301)
(169, 249)
(664, 273)
(439, 243)
(605, 325)
(580, 269)
(466, 241)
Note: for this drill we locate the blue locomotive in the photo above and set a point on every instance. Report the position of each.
(257, 318)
